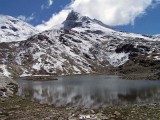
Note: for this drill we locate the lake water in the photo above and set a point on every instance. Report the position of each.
(91, 91)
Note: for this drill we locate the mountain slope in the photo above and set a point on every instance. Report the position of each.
(79, 45)
(12, 29)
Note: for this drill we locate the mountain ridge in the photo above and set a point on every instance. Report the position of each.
(84, 48)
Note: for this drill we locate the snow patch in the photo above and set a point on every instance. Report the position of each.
(157, 58)
(117, 59)
(88, 117)
(5, 71)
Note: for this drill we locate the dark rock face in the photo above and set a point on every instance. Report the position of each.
(14, 29)
(72, 16)
(126, 48)
(134, 51)
(95, 32)
(74, 19)
(147, 63)
(68, 25)
(87, 56)
(3, 89)
(133, 55)
(144, 48)
(3, 27)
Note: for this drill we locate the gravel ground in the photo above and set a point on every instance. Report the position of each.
(16, 108)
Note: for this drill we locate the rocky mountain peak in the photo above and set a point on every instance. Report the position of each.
(75, 16)
(75, 19)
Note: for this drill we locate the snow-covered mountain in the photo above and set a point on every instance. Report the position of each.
(12, 29)
(79, 45)
(79, 23)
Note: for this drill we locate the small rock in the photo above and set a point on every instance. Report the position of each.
(117, 113)
(3, 89)
(2, 100)
(47, 118)
(92, 111)
(133, 111)
(1, 111)
(17, 106)
(1, 93)
(112, 116)
(71, 116)
(88, 117)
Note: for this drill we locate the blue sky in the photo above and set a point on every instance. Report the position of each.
(145, 20)
(146, 24)
(28, 7)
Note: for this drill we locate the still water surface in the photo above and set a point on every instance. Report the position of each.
(91, 91)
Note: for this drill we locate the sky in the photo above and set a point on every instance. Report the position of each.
(137, 16)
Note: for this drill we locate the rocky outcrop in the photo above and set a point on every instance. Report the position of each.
(142, 67)
(8, 87)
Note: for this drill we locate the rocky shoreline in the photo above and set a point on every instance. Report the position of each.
(17, 108)
(13, 107)
(39, 78)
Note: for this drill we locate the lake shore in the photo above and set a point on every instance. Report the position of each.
(39, 77)
(139, 74)
(17, 108)
(149, 70)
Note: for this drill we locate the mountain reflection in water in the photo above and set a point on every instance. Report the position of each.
(91, 91)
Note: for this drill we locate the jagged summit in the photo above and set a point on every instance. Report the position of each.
(75, 20)
(12, 29)
(75, 16)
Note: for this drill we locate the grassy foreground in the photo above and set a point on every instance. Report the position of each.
(16, 108)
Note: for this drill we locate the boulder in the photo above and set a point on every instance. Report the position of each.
(8, 87)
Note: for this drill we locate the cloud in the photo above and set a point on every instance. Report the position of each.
(25, 18)
(111, 12)
(47, 5)
(50, 2)
(54, 20)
